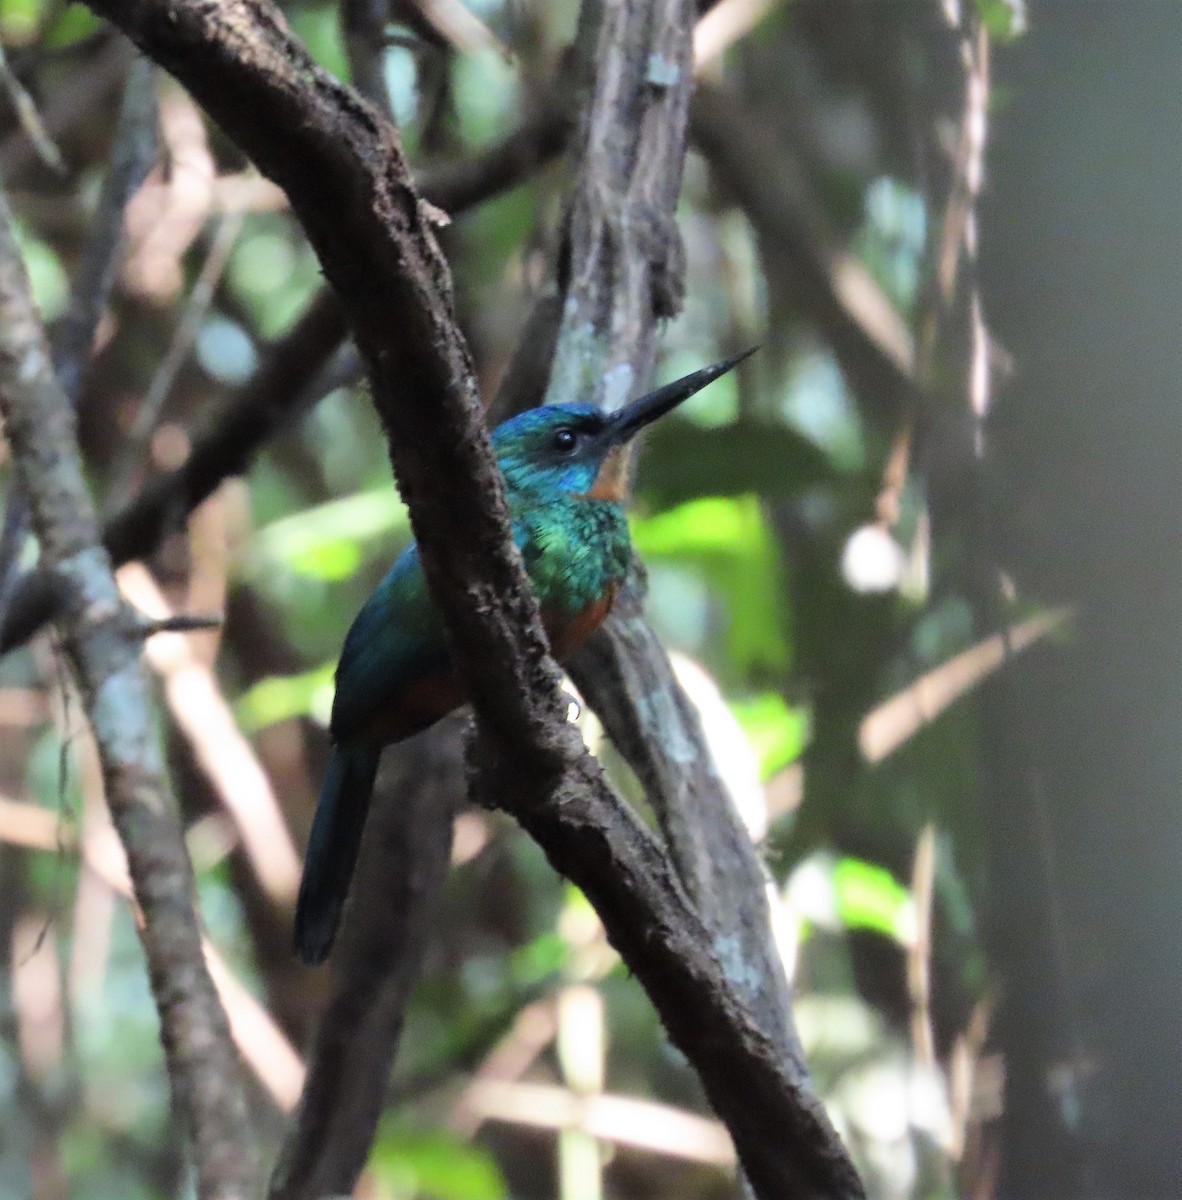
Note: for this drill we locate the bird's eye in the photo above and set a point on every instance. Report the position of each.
(564, 440)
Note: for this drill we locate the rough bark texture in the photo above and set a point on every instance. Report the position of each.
(102, 642)
(621, 263)
(626, 677)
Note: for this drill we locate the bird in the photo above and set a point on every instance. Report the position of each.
(565, 468)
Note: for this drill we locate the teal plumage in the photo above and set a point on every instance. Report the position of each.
(565, 476)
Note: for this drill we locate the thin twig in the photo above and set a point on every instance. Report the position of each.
(132, 154)
(219, 746)
(181, 623)
(131, 158)
(622, 1120)
(896, 720)
(89, 92)
(203, 1066)
(183, 340)
(919, 953)
(30, 118)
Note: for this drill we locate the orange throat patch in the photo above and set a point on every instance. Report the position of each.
(612, 481)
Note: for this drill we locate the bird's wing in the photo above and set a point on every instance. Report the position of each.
(395, 641)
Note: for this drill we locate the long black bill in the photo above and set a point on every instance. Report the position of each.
(631, 419)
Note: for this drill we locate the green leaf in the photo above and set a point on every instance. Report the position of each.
(19, 20)
(75, 23)
(540, 958)
(682, 461)
(47, 276)
(282, 697)
(727, 540)
(435, 1165)
(323, 542)
(869, 897)
(777, 731)
(1004, 20)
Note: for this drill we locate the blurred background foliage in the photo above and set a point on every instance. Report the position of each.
(793, 608)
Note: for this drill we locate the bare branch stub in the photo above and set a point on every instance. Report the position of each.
(344, 173)
(202, 1063)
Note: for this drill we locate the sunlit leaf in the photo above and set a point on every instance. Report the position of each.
(323, 542)
(282, 697)
(436, 1165)
(75, 23)
(539, 959)
(1004, 20)
(19, 19)
(726, 538)
(869, 897)
(51, 287)
(777, 731)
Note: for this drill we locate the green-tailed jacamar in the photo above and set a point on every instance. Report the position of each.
(565, 469)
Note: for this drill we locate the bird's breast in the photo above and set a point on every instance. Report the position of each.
(567, 633)
(577, 552)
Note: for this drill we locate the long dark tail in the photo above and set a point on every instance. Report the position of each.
(332, 849)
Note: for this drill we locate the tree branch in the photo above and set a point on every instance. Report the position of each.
(408, 834)
(621, 262)
(623, 273)
(284, 388)
(625, 676)
(344, 172)
(103, 648)
(132, 156)
(404, 862)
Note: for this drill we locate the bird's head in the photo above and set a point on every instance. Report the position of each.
(575, 449)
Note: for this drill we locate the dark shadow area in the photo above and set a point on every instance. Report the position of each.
(1083, 279)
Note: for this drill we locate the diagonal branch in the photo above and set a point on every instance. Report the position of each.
(286, 385)
(132, 156)
(344, 171)
(103, 645)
